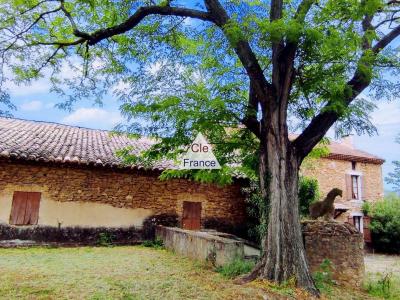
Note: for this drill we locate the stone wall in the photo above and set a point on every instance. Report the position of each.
(331, 173)
(104, 197)
(341, 243)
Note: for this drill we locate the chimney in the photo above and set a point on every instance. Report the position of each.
(347, 141)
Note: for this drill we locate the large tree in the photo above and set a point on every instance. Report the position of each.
(185, 66)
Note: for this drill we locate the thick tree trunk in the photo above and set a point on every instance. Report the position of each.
(283, 255)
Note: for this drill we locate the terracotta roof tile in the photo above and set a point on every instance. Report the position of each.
(52, 142)
(342, 151)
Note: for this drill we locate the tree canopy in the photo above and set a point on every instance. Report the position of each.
(179, 67)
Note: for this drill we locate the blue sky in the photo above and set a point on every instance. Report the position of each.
(34, 102)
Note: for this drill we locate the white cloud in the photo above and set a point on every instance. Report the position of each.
(387, 113)
(69, 70)
(50, 105)
(33, 105)
(93, 118)
(36, 87)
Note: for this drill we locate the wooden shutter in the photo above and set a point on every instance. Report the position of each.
(18, 208)
(362, 182)
(25, 208)
(32, 208)
(349, 187)
(366, 230)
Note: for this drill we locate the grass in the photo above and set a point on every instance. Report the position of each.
(323, 277)
(111, 273)
(138, 272)
(386, 285)
(235, 268)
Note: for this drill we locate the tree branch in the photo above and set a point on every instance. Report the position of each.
(137, 17)
(321, 123)
(260, 88)
(386, 40)
(250, 120)
(283, 68)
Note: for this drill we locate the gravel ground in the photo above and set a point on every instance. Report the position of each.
(379, 263)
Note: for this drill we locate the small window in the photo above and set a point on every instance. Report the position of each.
(357, 220)
(25, 208)
(354, 187)
(353, 165)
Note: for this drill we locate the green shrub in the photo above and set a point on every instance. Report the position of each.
(366, 208)
(235, 268)
(157, 243)
(385, 224)
(308, 194)
(323, 277)
(257, 211)
(384, 286)
(105, 239)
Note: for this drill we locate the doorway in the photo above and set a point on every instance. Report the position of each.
(191, 216)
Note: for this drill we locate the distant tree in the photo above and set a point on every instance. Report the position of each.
(186, 66)
(308, 193)
(394, 177)
(385, 224)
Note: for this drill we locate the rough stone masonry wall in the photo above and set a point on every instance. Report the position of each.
(331, 173)
(341, 243)
(116, 196)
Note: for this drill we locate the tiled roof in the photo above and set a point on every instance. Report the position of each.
(57, 143)
(345, 152)
(51, 142)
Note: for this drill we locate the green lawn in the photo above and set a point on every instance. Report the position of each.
(110, 273)
(128, 273)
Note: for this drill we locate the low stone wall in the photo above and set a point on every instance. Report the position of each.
(341, 243)
(200, 245)
(69, 235)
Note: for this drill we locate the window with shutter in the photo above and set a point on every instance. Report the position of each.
(354, 187)
(357, 221)
(348, 187)
(25, 208)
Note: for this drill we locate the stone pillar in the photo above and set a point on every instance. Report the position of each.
(341, 243)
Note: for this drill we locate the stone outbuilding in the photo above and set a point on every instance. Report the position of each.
(62, 176)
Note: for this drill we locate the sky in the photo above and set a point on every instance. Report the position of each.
(35, 102)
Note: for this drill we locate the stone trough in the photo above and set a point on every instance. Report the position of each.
(201, 245)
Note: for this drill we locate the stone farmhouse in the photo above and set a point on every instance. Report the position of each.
(357, 173)
(64, 176)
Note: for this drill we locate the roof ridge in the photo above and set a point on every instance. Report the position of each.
(54, 123)
(52, 140)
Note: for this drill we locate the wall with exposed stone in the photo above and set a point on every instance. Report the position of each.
(341, 243)
(103, 197)
(331, 173)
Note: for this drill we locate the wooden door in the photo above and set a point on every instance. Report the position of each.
(191, 216)
(25, 208)
(366, 230)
